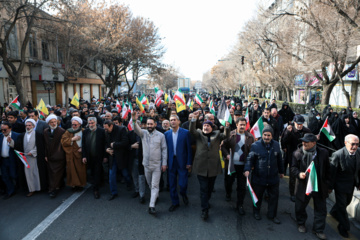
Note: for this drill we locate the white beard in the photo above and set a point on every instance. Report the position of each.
(29, 131)
(53, 128)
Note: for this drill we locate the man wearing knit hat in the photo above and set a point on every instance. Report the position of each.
(207, 163)
(267, 168)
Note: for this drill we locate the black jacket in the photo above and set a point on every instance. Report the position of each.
(266, 164)
(322, 166)
(119, 137)
(100, 144)
(341, 178)
(273, 123)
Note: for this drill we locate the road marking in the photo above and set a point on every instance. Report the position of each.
(39, 229)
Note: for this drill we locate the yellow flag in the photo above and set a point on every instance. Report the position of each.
(166, 98)
(179, 106)
(42, 107)
(141, 107)
(222, 159)
(75, 101)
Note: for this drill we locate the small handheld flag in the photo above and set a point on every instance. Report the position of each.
(252, 193)
(22, 157)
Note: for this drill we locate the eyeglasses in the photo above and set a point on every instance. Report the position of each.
(353, 144)
(4, 130)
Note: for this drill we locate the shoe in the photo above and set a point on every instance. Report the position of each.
(302, 228)
(7, 196)
(142, 200)
(185, 200)
(173, 207)
(152, 211)
(320, 235)
(342, 231)
(257, 216)
(228, 197)
(292, 198)
(52, 194)
(241, 210)
(135, 195)
(30, 194)
(112, 197)
(204, 215)
(79, 189)
(96, 195)
(275, 220)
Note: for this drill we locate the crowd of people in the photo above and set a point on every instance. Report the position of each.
(160, 145)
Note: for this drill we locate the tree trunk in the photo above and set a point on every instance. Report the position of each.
(21, 91)
(346, 93)
(287, 94)
(327, 89)
(66, 89)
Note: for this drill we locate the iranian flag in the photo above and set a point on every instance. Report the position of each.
(130, 110)
(252, 193)
(326, 129)
(312, 184)
(22, 157)
(143, 99)
(15, 103)
(257, 129)
(41, 115)
(130, 125)
(198, 99)
(247, 119)
(125, 111)
(118, 106)
(212, 108)
(158, 92)
(232, 104)
(158, 101)
(179, 97)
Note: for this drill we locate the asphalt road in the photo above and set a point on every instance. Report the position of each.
(126, 218)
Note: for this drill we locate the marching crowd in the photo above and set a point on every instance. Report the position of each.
(140, 142)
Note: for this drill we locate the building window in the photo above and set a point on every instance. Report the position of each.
(60, 56)
(45, 50)
(99, 67)
(33, 46)
(12, 44)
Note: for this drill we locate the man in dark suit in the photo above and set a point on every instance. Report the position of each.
(179, 160)
(17, 126)
(42, 165)
(8, 158)
(302, 158)
(116, 146)
(345, 176)
(93, 151)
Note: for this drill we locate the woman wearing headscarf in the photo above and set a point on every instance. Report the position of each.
(341, 128)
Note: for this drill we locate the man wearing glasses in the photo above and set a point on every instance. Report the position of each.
(345, 176)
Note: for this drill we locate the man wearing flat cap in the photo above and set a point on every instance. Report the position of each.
(290, 140)
(266, 166)
(302, 158)
(207, 163)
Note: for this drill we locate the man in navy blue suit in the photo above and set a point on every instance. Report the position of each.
(179, 160)
(8, 158)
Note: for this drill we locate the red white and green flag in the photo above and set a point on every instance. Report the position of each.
(15, 103)
(247, 119)
(144, 101)
(41, 115)
(198, 99)
(130, 125)
(118, 106)
(125, 111)
(212, 108)
(312, 184)
(130, 109)
(22, 157)
(179, 97)
(158, 101)
(326, 129)
(252, 193)
(257, 129)
(232, 104)
(158, 92)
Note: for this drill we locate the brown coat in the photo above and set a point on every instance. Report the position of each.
(55, 156)
(230, 143)
(75, 169)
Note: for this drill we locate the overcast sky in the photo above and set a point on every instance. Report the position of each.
(196, 33)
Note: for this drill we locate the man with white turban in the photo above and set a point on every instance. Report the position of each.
(54, 154)
(27, 144)
(71, 142)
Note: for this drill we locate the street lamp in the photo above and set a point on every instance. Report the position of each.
(48, 86)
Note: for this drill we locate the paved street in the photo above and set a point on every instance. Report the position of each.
(126, 218)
